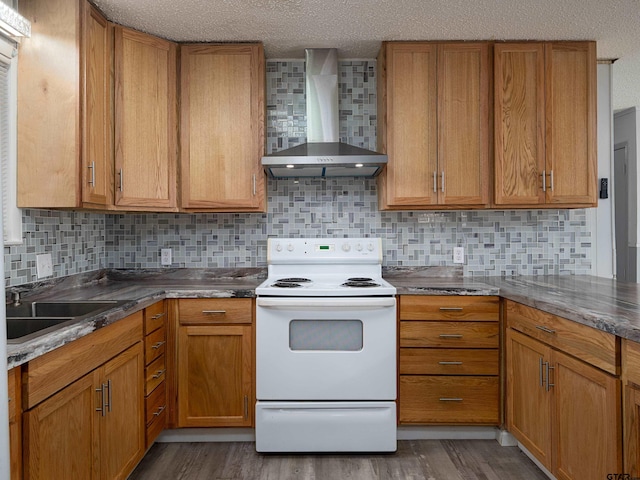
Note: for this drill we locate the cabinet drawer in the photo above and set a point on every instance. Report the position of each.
(586, 343)
(448, 361)
(14, 389)
(155, 374)
(154, 317)
(449, 334)
(155, 403)
(631, 361)
(424, 307)
(154, 345)
(199, 311)
(155, 428)
(446, 399)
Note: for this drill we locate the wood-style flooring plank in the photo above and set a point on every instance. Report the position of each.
(414, 460)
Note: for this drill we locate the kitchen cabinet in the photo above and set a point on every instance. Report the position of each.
(145, 121)
(155, 370)
(84, 405)
(631, 406)
(222, 127)
(545, 124)
(15, 423)
(65, 154)
(449, 360)
(215, 362)
(433, 106)
(555, 398)
(93, 427)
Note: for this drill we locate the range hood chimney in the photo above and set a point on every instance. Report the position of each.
(323, 155)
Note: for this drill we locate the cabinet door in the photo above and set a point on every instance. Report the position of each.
(411, 176)
(97, 165)
(528, 401)
(61, 434)
(122, 429)
(519, 123)
(586, 420)
(463, 123)
(222, 127)
(145, 120)
(570, 71)
(632, 431)
(15, 423)
(215, 376)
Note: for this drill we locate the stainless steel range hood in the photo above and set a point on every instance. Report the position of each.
(324, 155)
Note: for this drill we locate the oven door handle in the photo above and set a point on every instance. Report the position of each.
(364, 303)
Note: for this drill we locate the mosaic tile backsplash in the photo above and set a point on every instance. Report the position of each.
(496, 242)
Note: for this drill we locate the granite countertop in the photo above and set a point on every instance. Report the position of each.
(601, 303)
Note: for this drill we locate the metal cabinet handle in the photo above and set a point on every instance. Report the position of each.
(246, 407)
(442, 186)
(549, 384)
(214, 312)
(450, 309)
(109, 396)
(551, 180)
(121, 186)
(540, 374)
(156, 346)
(545, 329)
(157, 316)
(450, 335)
(254, 184)
(160, 410)
(159, 373)
(450, 399)
(435, 182)
(544, 180)
(102, 408)
(450, 363)
(92, 179)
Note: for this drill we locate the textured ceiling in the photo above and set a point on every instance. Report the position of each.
(356, 27)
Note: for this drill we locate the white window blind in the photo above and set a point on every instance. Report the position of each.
(11, 215)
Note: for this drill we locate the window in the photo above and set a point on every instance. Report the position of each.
(11, 215)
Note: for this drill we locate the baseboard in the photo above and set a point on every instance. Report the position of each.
(406, 432)
(207, 435)
(505, 439)
(536, 461)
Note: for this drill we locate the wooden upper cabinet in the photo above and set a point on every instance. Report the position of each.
(433, 105)
(545, 124)
(222, 127)
(65, 158)
(145, 121)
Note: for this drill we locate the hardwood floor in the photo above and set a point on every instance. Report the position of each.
(414, 460)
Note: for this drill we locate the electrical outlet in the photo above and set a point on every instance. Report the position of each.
(458, 254)
(165, 256)
(44, 266)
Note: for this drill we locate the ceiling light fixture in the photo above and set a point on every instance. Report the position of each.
(289, 166)
(359, 165)
(12, 23)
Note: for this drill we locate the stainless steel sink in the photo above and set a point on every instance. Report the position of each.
(32, 319)
(58, 309)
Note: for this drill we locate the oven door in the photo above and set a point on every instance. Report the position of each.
(326, 348)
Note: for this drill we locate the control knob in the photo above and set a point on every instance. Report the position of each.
(346, 247)
(290, 247)
(370, 247)
(359, 247)
(278, 248)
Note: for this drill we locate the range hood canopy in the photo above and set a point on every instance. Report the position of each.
(324, 155)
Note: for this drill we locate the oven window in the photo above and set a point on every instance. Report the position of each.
(343, 335)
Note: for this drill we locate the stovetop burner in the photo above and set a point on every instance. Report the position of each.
(280, 284)
(353, 283)
(360, 279)
(294, 280)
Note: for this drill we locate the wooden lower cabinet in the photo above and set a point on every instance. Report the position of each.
(215, 366)
(631, 406)
(15, 423)
(563, 410)
(93, 428)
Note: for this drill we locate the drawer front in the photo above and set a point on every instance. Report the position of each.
(155, 374)
(449, 361)
(451, 400)
(469, 308)
(156, 403)
(155, 428)
(154, 345)
(586, 343)
(449, 334)
(206, 311)
(631, 361)
(13, 377)
(154, 317)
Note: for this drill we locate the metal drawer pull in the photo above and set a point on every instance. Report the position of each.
(214, 312)
(547, 368)
(246, 407)
(450, 399)
(160, 410)
(450, 363)
(450, 335)
(159, 315)
(451, 309)
(156, 346)
(159, 373)
(545, 329)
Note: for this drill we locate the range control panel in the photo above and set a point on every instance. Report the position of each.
(321, 250)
